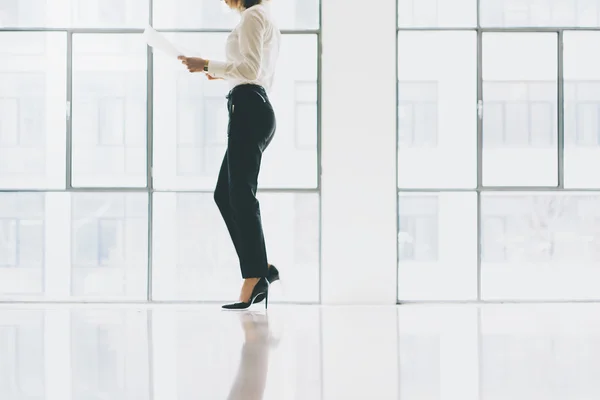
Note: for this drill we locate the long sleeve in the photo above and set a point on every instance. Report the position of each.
(251, 38)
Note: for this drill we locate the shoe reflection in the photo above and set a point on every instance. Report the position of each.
(252, 373)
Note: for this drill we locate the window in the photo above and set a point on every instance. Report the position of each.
(112, 12)
(307, 13)
(202, 124)
(542, 13)
(22, 13)
(110, 236)
(587, 124)
(437, 13)
(22, 124)
(102, 230)
(582, 114)
(111, 121)
(21, 242)
(420, 12)
(193, 14)
(100, 243)
(22, 110)
(216, 122)
(525, 122)
(9, 121)
(212, 13)
(306, 115)
(192, 136)
(8, 242)
(533, 229)
(9, 12)
(191, 225)
(109, 13)
(109, 111)
(494, 247)
(419, 229)
(417, 114)
(22, 227)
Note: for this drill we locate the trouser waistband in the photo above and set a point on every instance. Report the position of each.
(249, 87)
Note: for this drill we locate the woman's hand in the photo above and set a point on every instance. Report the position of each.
(212, 78)
(193, 64)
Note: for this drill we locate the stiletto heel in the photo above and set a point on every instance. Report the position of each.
(266, 300)
(260, 292)
(273, 275)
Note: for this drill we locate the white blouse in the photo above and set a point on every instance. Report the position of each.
(252, 50)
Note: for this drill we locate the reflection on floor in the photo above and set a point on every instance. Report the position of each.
(465, 352)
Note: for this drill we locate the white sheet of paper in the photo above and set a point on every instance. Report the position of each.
(158, 41)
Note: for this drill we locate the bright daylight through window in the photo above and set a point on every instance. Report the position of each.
(101, 141)
(498, 148)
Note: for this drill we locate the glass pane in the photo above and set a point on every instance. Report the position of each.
(32, 107)
(582, 109)
(22, 367)
(520, 110)
(109, 245)
(77, 13)
(437, 260)
(540, 13)
(190, 119)
(28, 13)
(210, 14)
(437, 13)
(540, 246)
(103, 343)
(73, 246)
(437, 126)
(194, 258)
(109, 111)
(22, 242)
(110, 13)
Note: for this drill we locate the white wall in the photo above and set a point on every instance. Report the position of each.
(358, 152)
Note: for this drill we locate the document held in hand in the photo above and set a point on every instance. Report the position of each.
(158, 41)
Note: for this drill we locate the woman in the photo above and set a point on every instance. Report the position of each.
(252, 50)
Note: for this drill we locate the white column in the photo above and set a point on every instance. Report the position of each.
(359, 152)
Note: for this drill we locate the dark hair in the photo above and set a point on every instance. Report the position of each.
(249, 3)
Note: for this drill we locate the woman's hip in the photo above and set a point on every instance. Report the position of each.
(251, 114)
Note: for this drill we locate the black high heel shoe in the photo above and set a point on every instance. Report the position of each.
(273, 275)
(260, 292)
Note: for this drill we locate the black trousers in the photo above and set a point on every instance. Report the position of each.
(251, 129)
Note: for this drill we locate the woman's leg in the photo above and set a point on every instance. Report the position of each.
(244, 157)
(222, 199)
(251, 127)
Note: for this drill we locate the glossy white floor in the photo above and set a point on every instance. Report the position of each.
(63, 352)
